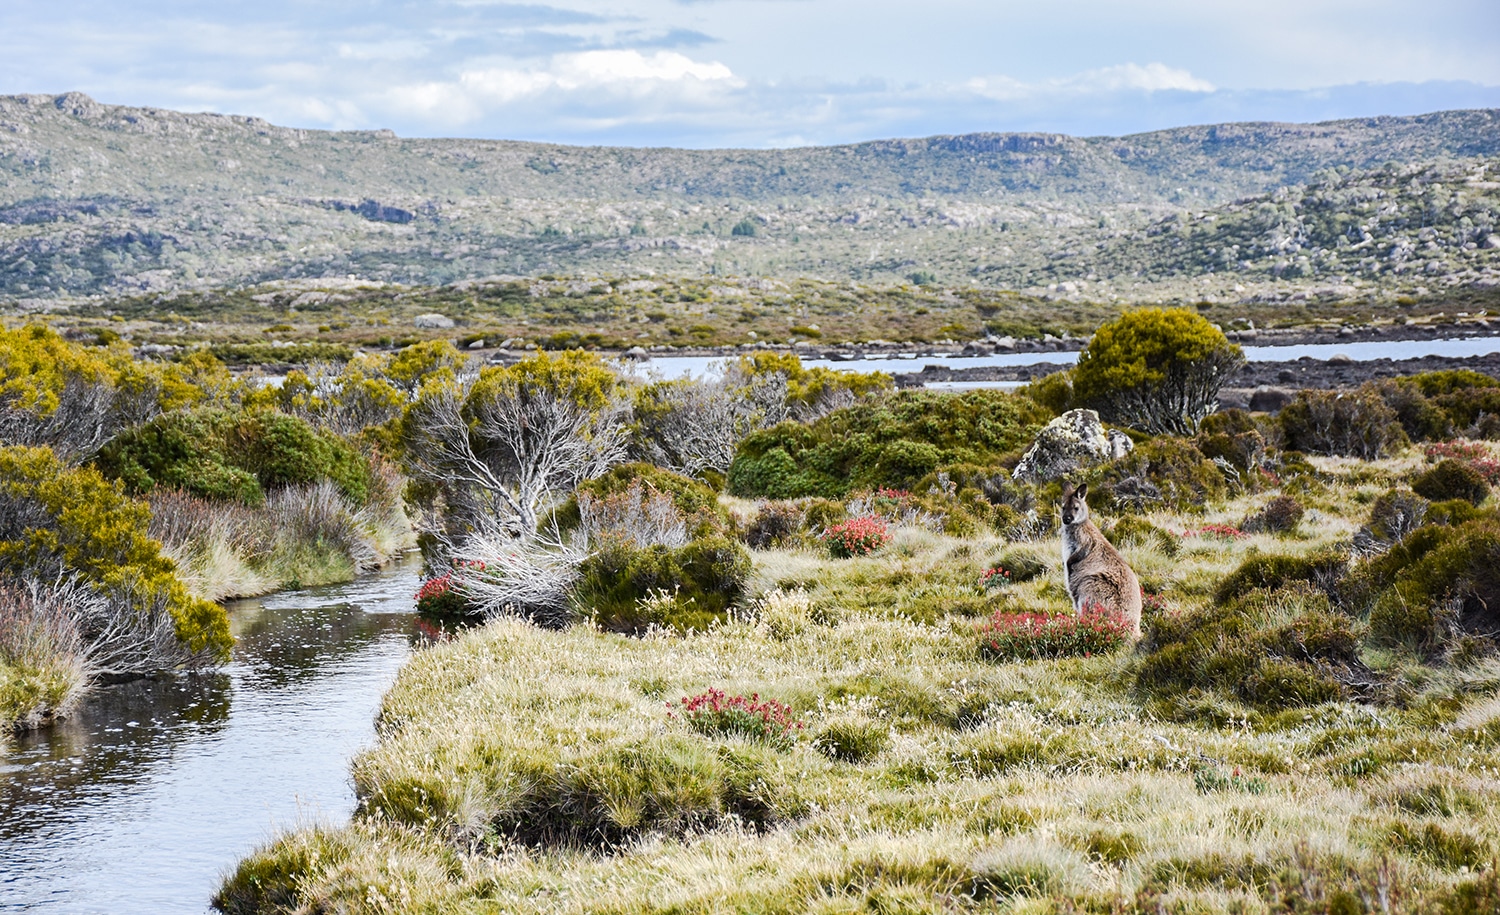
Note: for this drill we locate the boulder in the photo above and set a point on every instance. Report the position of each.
(1071, 442)
(433, 321)
(1265, 399)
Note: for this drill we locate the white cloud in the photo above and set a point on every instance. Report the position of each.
(586, 74)
(1130, 77)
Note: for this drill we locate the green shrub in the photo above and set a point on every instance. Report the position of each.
(1272, 571)
(1421, 418)
(1437, 582)
(1352, 423)
(821, 514)
(56, 520)
(1473, 413)
(626, 588)
(695, 500)
(1272, 649)
(1054, 391)
(1449, 381)
(1156, 370)
(1452, 479)
(1161, 472)
(233, 456)
(893, 441)
(1452, 512)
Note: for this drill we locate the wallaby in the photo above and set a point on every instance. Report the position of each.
(1093, 570)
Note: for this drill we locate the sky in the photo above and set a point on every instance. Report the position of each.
(759, 73)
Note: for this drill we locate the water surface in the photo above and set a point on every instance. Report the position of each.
(153, 790)
(695, 366)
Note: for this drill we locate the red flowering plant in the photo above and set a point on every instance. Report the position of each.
(442, 598)
(1476, 454)
(1224, 533)
(857, 537)
(998, 577)
(1031, 635)
(716, 713)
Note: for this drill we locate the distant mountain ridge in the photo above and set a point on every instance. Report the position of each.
(98, 198)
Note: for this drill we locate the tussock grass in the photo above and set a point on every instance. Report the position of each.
(526, 770)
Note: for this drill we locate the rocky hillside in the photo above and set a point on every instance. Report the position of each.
(106, 199)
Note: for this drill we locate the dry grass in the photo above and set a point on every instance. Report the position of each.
(304, 535)
(525, 770)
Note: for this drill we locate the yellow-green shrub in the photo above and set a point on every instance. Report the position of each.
(55, 518)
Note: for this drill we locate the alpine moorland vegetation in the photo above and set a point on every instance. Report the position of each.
(881, 700)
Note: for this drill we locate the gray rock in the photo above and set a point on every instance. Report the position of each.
(433, 321)
(1265, 399)
(1071, 442)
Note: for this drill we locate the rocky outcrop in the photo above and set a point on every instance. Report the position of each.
(1073, 441)
(433, 321)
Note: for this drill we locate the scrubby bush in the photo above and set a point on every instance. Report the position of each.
(694, 500)
(75, 399)
(1158, 371)
(891, 441)
(1054, 391)
(1272, 649)
(627, 588)
(1032, 636)
(1164, 471)
(1281, 515)
(774, 524)
(1353, 423)
(1396, 513)
(1476, 454)
(1452, 479)
(856, 537)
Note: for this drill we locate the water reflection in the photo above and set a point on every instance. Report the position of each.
(153, 789)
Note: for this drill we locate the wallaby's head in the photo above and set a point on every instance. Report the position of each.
(1075, 510)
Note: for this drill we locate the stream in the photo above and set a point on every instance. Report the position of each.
(153, 790)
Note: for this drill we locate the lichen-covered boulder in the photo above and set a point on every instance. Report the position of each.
(433, 321)
(1071, 442)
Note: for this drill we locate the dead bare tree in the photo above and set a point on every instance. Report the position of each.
(502, 453)
(695, 425)
(532, 577)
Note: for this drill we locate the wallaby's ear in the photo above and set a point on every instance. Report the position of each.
(1082, 491)
(1067, 491)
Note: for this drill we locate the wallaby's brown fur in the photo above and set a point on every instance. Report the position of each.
(1093, 570)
